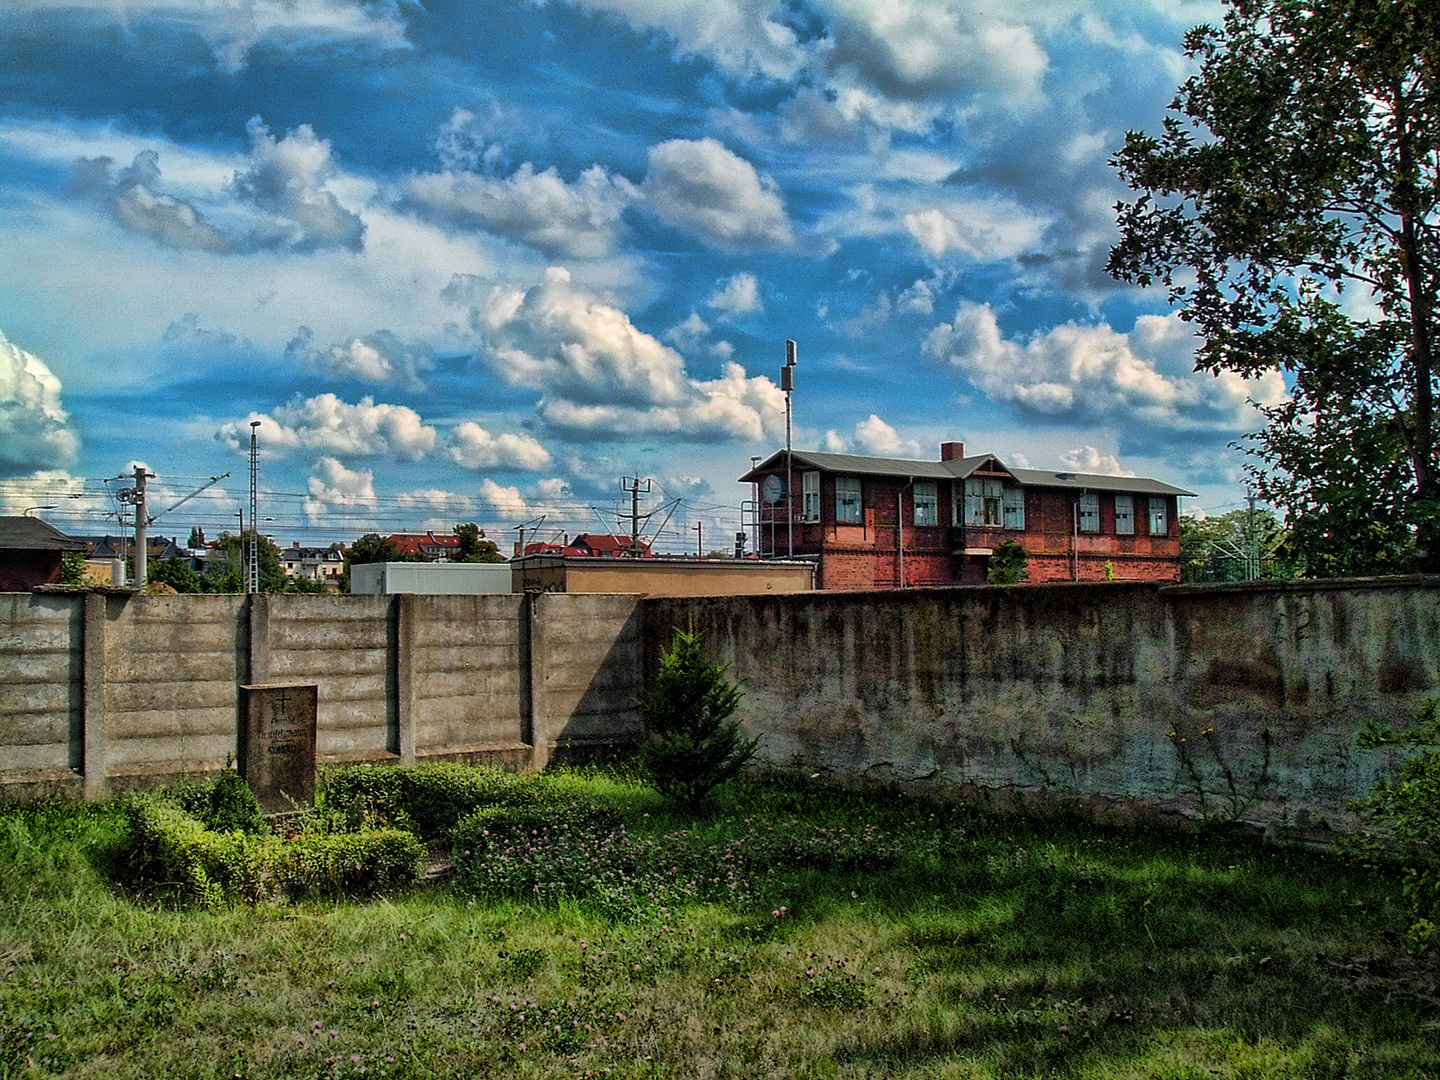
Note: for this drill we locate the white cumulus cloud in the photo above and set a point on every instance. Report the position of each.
(380, 357)
(877, 437)
(337, 486)
(287, 178)
(1097, 374)
(508, 502)
(738, 295)
(473, 447)
(702, 188)
(35, 431)
(600, 372)
(576, 220)
(327, 424)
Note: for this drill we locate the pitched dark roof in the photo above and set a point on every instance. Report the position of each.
(32, 534)
(958, 469)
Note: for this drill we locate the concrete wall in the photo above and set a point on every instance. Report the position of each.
(1118, 700)
(41, 687)
(1122, 700)
(102, 693)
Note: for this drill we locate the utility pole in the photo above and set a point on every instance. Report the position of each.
(699, 539)
(252, 581)
(142, 524)
(787, 384)
(631, 485)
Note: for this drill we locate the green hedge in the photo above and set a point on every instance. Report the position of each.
(428, 799)
(171, 850)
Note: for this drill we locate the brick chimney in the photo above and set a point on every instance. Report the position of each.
(952, 451)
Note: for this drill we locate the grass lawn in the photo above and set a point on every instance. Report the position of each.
(797, 932)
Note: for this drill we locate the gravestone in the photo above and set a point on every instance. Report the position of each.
(277, 747)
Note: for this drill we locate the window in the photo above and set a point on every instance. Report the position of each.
(983, 500)
(1014, 507)
(810, 491)
(927, 503)
(847, 499)
(1089, 512)
(1159, 520)
(1125, 515)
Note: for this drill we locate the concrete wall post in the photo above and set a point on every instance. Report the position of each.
(405, 617)
(96, 784)
(532, 645)
(258, 628)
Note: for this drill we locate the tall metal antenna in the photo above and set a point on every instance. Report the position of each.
(252, 584)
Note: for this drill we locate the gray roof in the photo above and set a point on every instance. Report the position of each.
(959, 469)
(32, 534)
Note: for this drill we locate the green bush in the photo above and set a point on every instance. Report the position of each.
(1007, 564)
(223, 804)
(1408, 805)
(350, 864)
(694, 747)
(428, 799)
(171, 851)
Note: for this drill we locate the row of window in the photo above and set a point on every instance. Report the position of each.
(986, 503)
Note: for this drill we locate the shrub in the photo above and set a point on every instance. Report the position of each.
(694, 746)
(350, 864)
(1007, 564)
(429, 799)
(223, 804)
(170, 850)
(1409, 805)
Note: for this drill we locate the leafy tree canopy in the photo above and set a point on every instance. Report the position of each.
(1239, 546)
(225, 569)
(474, 547)
(1288, 205)
(176, 573)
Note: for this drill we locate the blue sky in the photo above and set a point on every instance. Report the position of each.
(477, 261)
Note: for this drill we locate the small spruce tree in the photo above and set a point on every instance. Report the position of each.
(1007, 564)
(694, 746)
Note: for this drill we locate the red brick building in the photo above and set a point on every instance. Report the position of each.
(888, 522)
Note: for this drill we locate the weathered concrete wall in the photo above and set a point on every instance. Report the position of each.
(1120, 700)
(345, 648)
(470, 694)
(167, 703)
(41, 649)
(585, 666)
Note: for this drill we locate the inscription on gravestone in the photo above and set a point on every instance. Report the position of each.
(277, 752)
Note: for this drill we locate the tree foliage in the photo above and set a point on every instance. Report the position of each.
(1288, 205)
(225, 569)
(177, 573)
(694, 746)
(72, 568)
(1408, 804)
(1242, 545)
(474, 547)
(1007, 565)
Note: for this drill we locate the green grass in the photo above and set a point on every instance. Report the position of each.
(915, 940)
